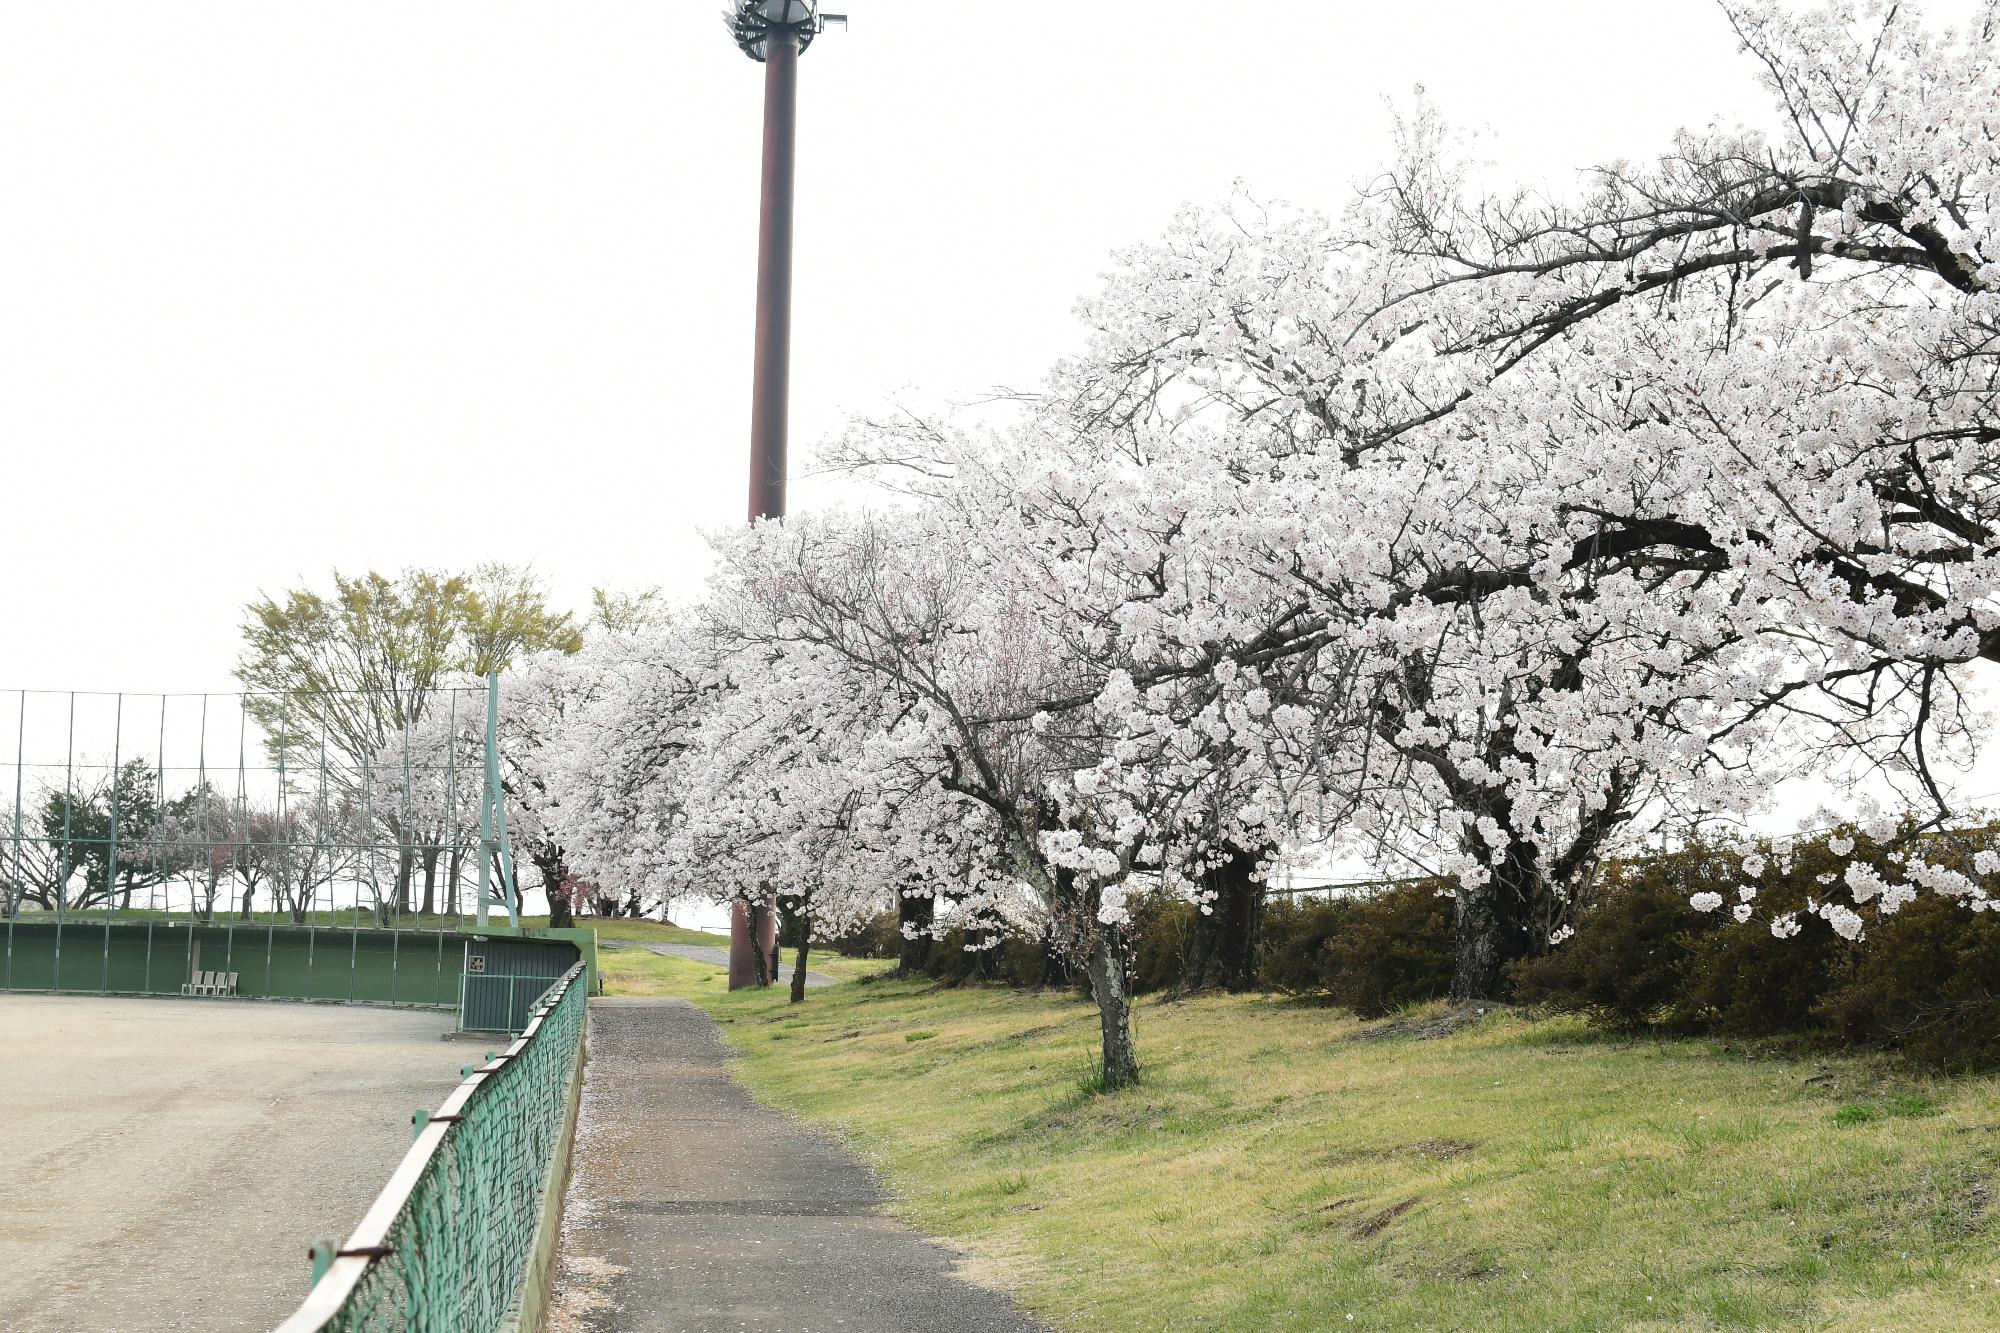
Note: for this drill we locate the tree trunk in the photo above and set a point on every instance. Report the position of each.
(1114, 1008)
(915, 912)
(554, 870)
(985, 941)
(406, 864)
(1222, 955)
(454, 863)
(430, 879)
(764, 977)
(799, 967)
(1495, 927)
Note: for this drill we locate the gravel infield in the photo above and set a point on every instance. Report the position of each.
(169, 1161)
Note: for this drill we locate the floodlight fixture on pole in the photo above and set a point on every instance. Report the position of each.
(753, 23)
(773, 33)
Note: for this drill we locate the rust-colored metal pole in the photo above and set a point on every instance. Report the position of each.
(770, 396)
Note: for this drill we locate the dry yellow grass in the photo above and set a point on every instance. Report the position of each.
(1268, 1174)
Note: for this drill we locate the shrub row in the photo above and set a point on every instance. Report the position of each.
(878, 937)
(1924, 980)
(1372, 955)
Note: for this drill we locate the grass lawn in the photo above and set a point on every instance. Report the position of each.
(634, 972)
(1268, 1174)
(638, 931)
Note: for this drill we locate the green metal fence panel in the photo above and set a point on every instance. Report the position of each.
(504, 978)
(445, 1247)
(372, 964)
(419, 972)
(498, 1004)
(31, 958)
(126, 955)
(368, 965)
(79, 957)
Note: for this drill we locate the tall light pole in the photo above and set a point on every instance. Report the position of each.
(775, 33)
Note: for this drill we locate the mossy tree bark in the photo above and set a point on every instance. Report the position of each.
(1222, 953)
(1110, 987)
(1494, 929)
(799, 967)
(914, 914)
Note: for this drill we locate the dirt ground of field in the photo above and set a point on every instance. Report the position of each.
(168, 1162)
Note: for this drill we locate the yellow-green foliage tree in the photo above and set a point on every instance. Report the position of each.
(344, 674)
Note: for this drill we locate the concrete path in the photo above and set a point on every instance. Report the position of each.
(695, 1210)
(718, 955)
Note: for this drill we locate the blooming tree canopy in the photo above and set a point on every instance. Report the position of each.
(1458, 529)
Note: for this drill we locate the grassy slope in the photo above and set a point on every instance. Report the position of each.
(638, 931)
(636, 969)
(1268, 1175)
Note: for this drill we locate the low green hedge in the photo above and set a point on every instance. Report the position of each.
(1924, 980)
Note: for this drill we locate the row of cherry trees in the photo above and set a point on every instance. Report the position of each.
(1459, 530)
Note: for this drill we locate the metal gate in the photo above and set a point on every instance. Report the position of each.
(504, 977)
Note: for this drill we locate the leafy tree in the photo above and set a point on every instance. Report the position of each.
(97, 829)
(613, 612)
(347, 675)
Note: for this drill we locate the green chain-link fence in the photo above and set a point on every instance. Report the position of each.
(447, 1245)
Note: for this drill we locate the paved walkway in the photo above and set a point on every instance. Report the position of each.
(718, 955)
(696, 1210)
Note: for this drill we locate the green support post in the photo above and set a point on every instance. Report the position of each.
(322, 1255)
(491, 806)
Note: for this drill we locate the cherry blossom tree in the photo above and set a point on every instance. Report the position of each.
(1460, 529)
(1638, 503)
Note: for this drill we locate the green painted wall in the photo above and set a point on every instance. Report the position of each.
(582, 938)
(299, 963)
(398, 967)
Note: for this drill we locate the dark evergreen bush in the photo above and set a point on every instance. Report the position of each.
(1162, 929)
(1925, 979)
(955, 964)
(878, 937)
(1623, 966)
(1296, 934)
(1393, 949)
(1372, 955)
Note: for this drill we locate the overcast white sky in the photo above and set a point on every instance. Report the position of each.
(289, 286)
